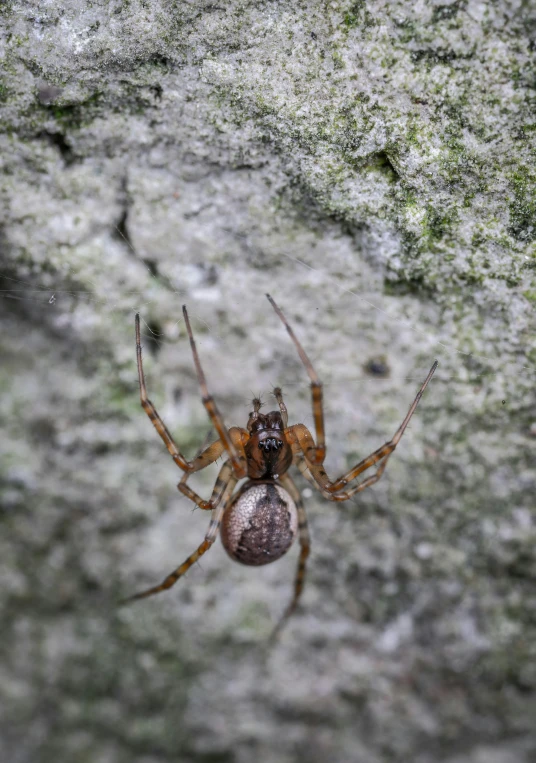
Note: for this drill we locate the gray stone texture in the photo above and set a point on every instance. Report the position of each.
(372, 165)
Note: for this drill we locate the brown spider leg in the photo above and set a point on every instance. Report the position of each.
(304, 468)
(316, 391)
(300, 439)
(317, 473)
(239, 462)
(305, 547)
(278, 394)
(302, 465)
(387, 449)
(151, 411)
(210, 537)
(208, 456)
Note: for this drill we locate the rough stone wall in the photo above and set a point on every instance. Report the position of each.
(372, 165)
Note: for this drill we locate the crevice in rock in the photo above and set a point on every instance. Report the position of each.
(121, 229)
(381, 161)
(59, 140)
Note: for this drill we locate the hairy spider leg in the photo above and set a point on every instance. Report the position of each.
(210, 537)
(238, 460)
(257, 405)
(208, 456)
(316, 391)
(278, 394)
(300, 438)
(305, 547)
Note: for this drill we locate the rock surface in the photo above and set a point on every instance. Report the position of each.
(372, 165)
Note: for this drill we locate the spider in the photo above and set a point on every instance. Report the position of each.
(260, 521)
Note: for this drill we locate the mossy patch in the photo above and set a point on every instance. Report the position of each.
(523, 207)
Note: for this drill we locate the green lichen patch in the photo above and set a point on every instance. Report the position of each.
(523, 206)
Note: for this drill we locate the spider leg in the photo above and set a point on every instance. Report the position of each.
(207, 457)
(238, 461)
(305, 547)
(316, 392)
(316, 473)
(386, 450)
(201, 460)
(151, 411)
(210, 537)
(219, 487)
(301, 463)
(300, 439)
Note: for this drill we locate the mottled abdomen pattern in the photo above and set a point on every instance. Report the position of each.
(260, 524)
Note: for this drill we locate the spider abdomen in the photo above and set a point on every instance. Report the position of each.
(260, 524)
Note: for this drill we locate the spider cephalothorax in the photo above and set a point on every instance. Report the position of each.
(267, 451)
(260, 521)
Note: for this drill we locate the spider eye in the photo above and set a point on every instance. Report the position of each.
(270, 444)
